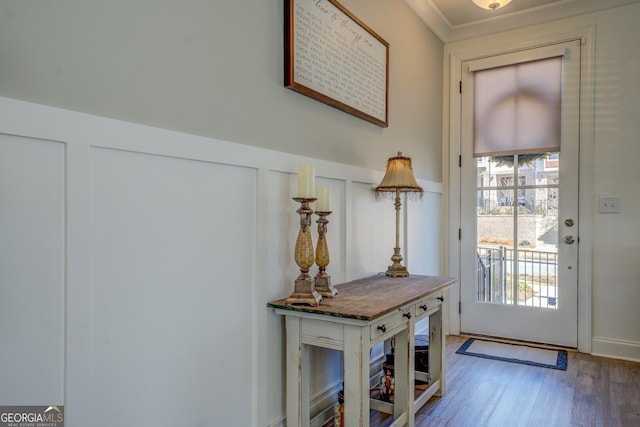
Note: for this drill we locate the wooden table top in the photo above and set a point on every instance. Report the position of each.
(372, 297)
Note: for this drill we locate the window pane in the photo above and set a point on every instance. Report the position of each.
(517, 229)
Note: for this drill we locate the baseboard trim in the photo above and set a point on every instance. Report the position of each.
(616, 349)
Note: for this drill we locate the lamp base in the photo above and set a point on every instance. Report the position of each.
(324, 286)
(304, 292)
(397, 271)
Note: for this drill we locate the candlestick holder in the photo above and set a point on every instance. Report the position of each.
(304, 291)
(322, 279)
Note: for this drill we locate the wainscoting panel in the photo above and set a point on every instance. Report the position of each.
(138, 262)
(373, 234)
(423, 240)
(32, 250)
(173, 245)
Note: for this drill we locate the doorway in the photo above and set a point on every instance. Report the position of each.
(519, 195)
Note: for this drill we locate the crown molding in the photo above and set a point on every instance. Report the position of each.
(437, 22)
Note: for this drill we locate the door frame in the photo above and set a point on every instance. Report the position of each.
(455, 54)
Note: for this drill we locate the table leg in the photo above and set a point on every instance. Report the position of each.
(356, 376)
(297, 375)
(403, 392)
(437, 350)
(412, 373)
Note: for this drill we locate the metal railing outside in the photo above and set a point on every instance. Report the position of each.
(534, 286)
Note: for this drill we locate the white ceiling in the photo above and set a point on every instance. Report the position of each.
(460, 19)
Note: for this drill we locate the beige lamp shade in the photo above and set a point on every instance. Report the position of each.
(399, 177)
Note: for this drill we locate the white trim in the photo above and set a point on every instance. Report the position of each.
(617, 349)
(451, 181)
(78, 368)
(586, 185)
(442, 28)
(432, 17)
(513, 58)
(260, 335)
(454, 56)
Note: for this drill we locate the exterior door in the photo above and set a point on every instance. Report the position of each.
(519, 203)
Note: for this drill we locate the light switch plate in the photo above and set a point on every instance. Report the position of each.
(609, 204)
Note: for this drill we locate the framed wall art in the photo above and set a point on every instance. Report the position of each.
(332, 56)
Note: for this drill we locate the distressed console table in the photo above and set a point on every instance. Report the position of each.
(364, 313)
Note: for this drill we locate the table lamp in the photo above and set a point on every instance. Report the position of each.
(398, 179)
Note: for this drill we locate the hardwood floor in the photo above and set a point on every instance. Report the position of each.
(593, 391)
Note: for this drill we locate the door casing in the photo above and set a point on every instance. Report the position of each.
(455, 54)
(552, 326)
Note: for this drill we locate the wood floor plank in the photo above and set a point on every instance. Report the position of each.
(483, 386)
(623, 371)
(591, 402)
(520, 394)
(593, 391)
(551, 407)
(626, 412)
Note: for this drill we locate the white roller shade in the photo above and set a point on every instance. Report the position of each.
(517, 57)
(517, 107)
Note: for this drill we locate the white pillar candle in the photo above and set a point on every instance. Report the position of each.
(306, 181)
(323, 204)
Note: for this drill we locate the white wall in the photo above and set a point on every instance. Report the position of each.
(137, 263)
(141, 259)
(215, 68)
(616, 237)
(610, 248)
